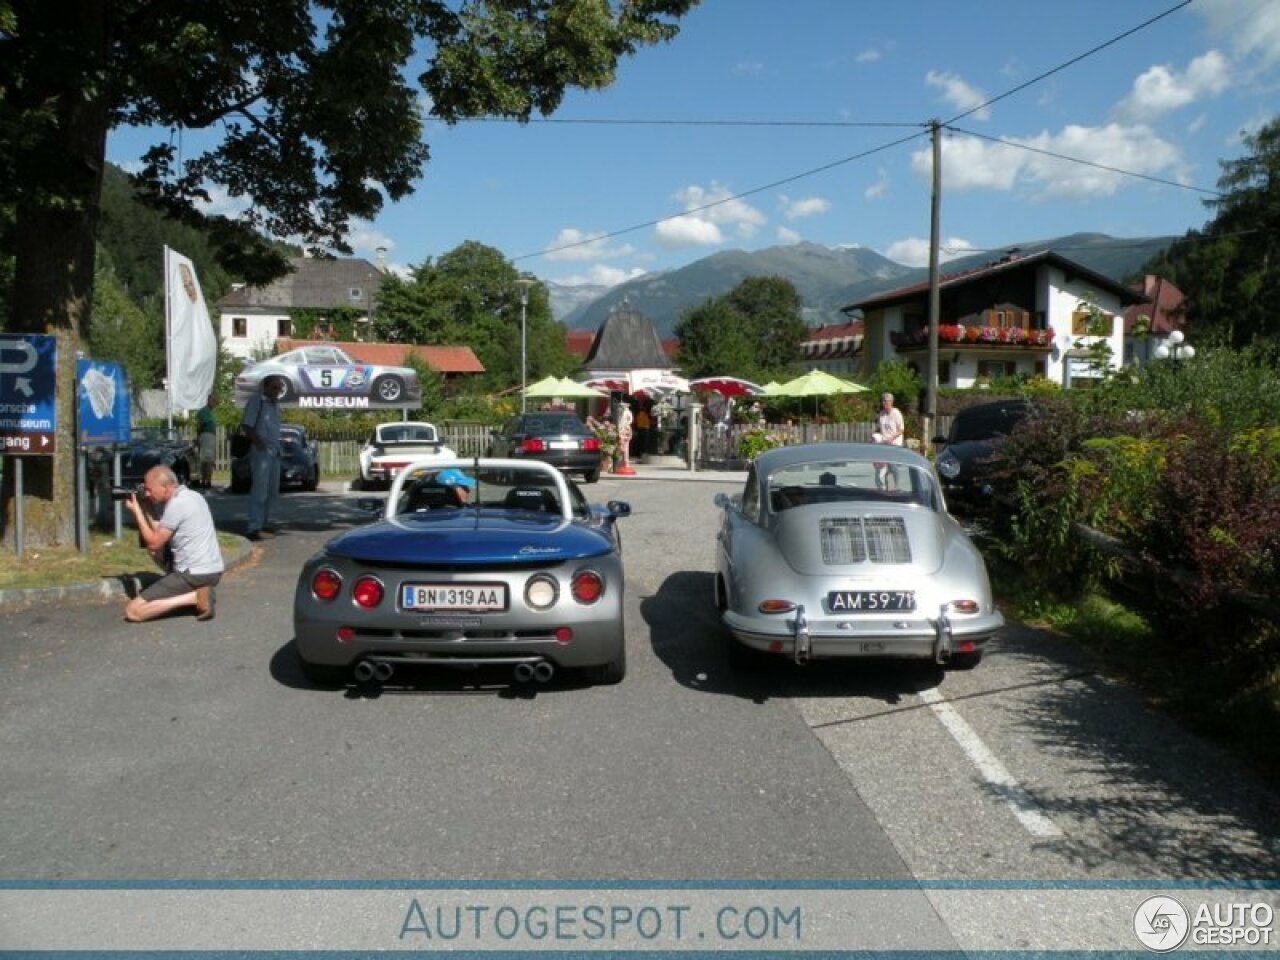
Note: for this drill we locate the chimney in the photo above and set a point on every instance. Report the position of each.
(382, 259)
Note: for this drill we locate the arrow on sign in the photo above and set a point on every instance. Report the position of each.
(27, 362)
(23, 386)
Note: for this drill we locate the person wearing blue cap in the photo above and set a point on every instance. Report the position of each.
(459, 484)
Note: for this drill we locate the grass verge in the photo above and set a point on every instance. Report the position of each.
(106, 557)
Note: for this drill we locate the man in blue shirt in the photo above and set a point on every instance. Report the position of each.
(262, 421)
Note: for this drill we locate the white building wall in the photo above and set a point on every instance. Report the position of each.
(261, 331)
(1062, 301)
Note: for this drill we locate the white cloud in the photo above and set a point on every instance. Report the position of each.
(1161, 89)
(571, 244)
(685, 231)
(973, 164)
(752, 68)
(1196, 125)
(878, 189)
(364, 240)
(914, 251)
(958, 93)
(805, 207)
(706, 211)
(787, 236)
(868, 56)
(1252, 32)
(601, 275)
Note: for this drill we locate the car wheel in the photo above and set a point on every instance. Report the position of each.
(964, 661)
(313, 484)
(288, 390)
(591, 476)
(613, 671)
(388, 389)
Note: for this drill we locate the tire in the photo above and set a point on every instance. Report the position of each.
(388, 389)
(591, 476)
(288, 392)
(608, 674)
(357, 484)
(314, 482)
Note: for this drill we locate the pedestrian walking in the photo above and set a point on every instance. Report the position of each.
(262, 423)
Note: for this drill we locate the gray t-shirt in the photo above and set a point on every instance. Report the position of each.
(195, 540)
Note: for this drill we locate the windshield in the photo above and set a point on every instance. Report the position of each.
(407, 433)
(984, 424)
(833, 481)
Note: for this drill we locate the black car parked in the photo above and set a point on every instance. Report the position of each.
(970, 460)
(557, 437)
(299, 462)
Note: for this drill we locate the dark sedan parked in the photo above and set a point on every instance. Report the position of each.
(557, 437)
(153, 446)
(971, 459)
(299, 462)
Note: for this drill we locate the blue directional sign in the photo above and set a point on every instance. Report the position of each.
(103, 408)
(28, 407)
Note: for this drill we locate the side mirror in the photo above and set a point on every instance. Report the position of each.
(370, 504)
(721, 500)
(939, 441)
(619, 508)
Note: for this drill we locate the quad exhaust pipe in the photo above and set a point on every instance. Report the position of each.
(539, 672)
(379, 670)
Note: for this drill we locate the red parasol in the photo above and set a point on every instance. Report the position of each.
(726, 386)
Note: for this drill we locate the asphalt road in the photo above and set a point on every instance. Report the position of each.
(184, 750)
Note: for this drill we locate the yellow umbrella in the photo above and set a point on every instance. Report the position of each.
(560, 388)
(816, 383)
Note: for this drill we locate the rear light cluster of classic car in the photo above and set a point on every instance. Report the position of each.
(535, 445)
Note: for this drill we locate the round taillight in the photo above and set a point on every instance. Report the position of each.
(541, 592)
(325, 584)
(776, 606)
(367, 592)
(588, 586)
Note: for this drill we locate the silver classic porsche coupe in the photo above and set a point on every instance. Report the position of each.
(847, 550)
(472, 563)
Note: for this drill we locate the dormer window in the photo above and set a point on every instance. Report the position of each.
(357, 294)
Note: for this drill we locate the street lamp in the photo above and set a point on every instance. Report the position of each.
(525, 284)
(1175, 348)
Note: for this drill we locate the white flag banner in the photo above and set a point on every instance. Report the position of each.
(192, 349)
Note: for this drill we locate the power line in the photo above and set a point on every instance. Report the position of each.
(611, 122)
(1086, 163)
(866, 153)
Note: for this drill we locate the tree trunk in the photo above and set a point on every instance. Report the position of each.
(56, 226)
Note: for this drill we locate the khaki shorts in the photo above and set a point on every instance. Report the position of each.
(175, 584)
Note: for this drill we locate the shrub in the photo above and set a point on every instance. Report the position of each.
(756, 441)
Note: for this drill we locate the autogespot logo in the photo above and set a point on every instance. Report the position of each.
(1161, 923)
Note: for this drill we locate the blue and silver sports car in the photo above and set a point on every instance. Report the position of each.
(325, 377)
(473, 563)
(847, 550)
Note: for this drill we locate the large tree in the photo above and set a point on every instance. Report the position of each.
(317, 122)
(753, 331)
(472, 295)
(1230, 270)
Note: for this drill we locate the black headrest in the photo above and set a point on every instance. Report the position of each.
(531, 498)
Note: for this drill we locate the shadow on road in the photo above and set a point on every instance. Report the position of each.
(686, 634)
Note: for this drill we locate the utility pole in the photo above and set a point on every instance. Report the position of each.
(935, 298)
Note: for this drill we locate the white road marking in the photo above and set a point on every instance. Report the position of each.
(993, 771)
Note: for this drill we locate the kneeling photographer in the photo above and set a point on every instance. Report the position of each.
(176, 528)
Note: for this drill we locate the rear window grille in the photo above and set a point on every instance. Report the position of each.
(859, 539)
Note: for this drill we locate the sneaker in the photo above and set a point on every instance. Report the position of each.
(254, 535)
(206, 600)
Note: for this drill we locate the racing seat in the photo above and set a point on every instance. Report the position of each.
(427, 496)
(536, 499)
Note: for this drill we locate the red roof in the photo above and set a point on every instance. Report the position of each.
(1162, 307)
(445, 360)
(578, 342)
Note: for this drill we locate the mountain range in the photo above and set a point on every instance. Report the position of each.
(826, 278)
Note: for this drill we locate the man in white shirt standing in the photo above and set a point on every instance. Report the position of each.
(890, 429)
(182, 541)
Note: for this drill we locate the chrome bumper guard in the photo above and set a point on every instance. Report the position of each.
(803, 646)
(942, 637)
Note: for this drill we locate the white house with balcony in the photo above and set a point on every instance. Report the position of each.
(1037, 314)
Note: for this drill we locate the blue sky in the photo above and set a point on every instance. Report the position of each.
(761, 104)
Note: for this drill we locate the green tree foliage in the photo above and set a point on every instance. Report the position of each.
(125, 333)
(472, 295)
(754, 331)
(315, 117)
(1230, 271)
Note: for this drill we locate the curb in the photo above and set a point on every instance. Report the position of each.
(105, 589)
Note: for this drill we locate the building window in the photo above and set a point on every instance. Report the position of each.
(284, 327)
(356, 294)
(944, 371)
(239, 326)
(1040, 369)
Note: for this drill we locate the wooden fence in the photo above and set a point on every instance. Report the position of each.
(340, 455)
